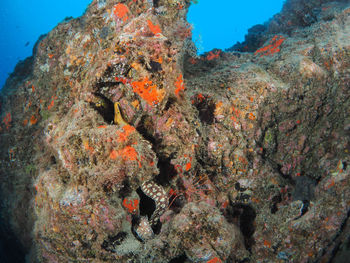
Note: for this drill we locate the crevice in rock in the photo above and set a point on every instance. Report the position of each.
(244, 216)
(274, 203)
(147, 207)
(179, 259)
(167, 171)
(126, 190)
(111, 242)
(155, 3)
(147, 204)
(206, 108)
(169, 103)
(104, 106)
(144, 128)
(154, 66)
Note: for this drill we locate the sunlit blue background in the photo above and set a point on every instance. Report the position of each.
(217, 24)
(23, 21)
(221, 23)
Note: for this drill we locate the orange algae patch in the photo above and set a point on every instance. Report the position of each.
(213, 55)
(51, 105)
(131, 205)
(122, 136)
(169, 122)
(188, 166)
(87, 146)
(128, 153)
(179, 84)
(251, 116)
(121, 11)
(200, 97)
(155, 29)
(135, 104)
(33, 120)
(272, 48)
(147, 91)
(215, 260)
(113, 155)
(7, 119)
(267, 243)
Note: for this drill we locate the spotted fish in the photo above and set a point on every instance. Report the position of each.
(157, 193)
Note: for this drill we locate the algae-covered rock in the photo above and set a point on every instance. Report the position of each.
(119, 144)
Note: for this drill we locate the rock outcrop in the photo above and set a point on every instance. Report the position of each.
(119, 144)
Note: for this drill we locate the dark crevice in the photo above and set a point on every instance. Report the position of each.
(169, 103)
(126, 190)
(274, 205)
(104, 106)
(206, 108)
(147, 204)
(244, 216)
(157, 227)
(10, 248)
(53, 160)
(177, 202)
(155, 3)
(167, 171)
(180, 259)
(100, 85)
(154, 66)
(144, 128)
(112, 71)
(111, 242)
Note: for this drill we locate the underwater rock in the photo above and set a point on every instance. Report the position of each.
(118, 143)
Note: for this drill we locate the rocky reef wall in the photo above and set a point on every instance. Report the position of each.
(119, 144)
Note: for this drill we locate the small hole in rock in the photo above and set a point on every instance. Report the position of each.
(275, 200)
(53, 160)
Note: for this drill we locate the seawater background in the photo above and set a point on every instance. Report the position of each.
(216, 24)
(23, 21)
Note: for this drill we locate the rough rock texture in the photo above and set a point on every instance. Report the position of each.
(251, 150)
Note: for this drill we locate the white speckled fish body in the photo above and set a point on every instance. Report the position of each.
(157, 193)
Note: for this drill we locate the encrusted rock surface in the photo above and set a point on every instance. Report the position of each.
(251, 150)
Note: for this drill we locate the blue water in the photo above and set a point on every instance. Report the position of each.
(23, 21)
(217, 24)
(221, 23)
